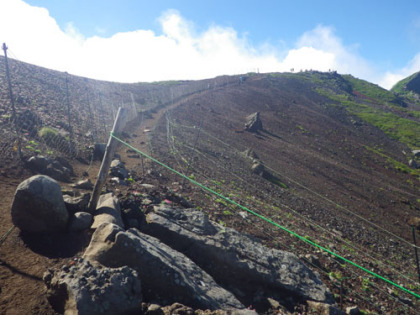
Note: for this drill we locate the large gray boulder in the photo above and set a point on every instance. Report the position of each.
(235, 260)
(107, 211)
(85, 289)
(164, 272)
(38, 206)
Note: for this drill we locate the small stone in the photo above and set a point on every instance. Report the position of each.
(154, 309)
(148, 186)
(83, 184)
(81, 221)
(352, 310)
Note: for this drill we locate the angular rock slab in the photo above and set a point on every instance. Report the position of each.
(253, 122)
(38, 206)
(234, 259)
(107, 211)
(163, 271)
(85, 289)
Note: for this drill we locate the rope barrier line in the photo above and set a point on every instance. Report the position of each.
(269, 220)
(3, 238)
(312, 191)
(377, 259)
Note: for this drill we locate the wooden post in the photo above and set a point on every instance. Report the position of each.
(413, 229)
(12, 101)
(106, 162)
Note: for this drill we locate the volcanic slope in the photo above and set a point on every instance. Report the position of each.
(335, 151)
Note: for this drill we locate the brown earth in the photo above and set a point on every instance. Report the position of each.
(324, 185)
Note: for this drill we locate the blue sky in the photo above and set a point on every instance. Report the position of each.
(132, 40)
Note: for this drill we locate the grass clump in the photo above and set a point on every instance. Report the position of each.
(51, 136)
(398, 166)
(47, 133)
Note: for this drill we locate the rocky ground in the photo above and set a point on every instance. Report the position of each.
(320, 182)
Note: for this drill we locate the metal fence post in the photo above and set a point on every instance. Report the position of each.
(12, 101)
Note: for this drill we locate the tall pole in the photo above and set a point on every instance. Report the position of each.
(103, 112)
(106, 162)
(92, 121)
(195, 144)
(12, 101)
(69, 114)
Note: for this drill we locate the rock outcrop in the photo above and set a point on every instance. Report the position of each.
(253, 122)
(258, 168)
(59, 169)
(164, 272)
(38, 206)
(85, 289)
(107, 211)
(235, 260)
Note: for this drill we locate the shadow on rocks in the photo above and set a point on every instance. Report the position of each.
(56, 245)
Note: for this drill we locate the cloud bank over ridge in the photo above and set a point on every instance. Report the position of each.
(178, 52)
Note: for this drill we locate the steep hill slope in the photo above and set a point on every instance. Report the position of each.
(335, 155)
(333, 151)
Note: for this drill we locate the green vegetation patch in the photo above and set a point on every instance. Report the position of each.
(51, 136)
(401, 167)
(404, 130)
(371, 90)
(48, 133)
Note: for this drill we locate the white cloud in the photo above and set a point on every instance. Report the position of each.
(179, 52)
(323, 48)
(389, 79)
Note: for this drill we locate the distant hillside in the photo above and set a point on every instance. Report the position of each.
(409, 87)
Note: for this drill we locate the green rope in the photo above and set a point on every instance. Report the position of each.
(268, 220)
(3, 238)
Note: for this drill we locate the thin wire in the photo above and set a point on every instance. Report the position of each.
(218, 164)
(363, 252)
(268, 220)
(315, 193)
